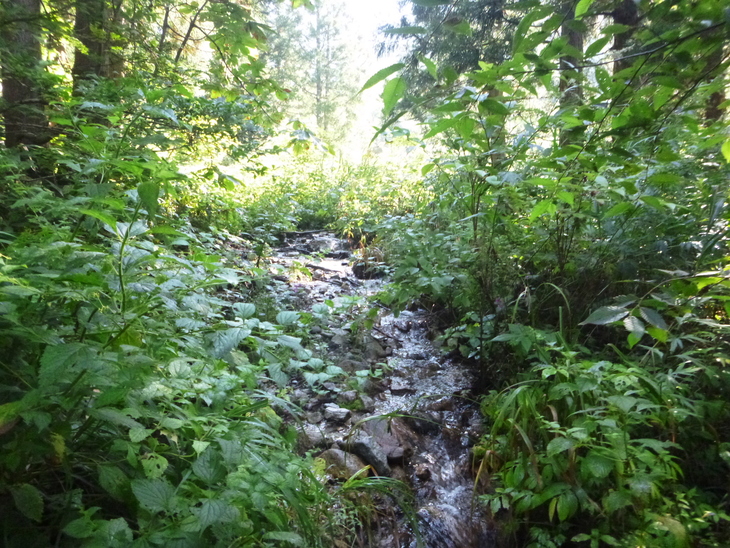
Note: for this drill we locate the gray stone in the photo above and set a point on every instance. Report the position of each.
(351, 366)
(368, 403)
(423, 473)
(311, 437)
(374, 351)
(336, 414)
(441, 404)
(416, 356)
(315, 330)
(348, 397)
(365, 447)
(314, 417)
(340, 464)
(400, 387)
(388, 435)
(339, 341)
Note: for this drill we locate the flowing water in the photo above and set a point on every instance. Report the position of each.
(431, 419)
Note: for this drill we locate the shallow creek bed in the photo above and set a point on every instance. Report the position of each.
(392, 401)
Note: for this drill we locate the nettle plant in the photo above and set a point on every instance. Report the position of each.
(130, 413)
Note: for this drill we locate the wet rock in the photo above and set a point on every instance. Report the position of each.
(336, 414)
(423, 472)
(391, 437)
(426, 423)
(416, 356)
(396, 456)
(403, 327)
(374, 351)
(441, 404)
(314, 417)
(368, 403)
(339, 341)
(311, 437)
(400, 387)
(340, 464)
(331, 387)
(368, 449)
(348, 397)
(315, 330)
(324, 244)
(351, 366)
(339, 255)
(300, 396)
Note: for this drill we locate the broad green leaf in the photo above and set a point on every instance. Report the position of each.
(658, 334)
(726, 151)
(9, 415)
(543, 207)
(200, 446)
(494, 106)
(406, 30)
(616, 500)
(635, 325)
(605, 315)
(392, 93)
(287, 317)
(28, 500)
(624, 403)
(618, 209)
(114, 416)
(167, 230)
(582, 7)
(114, 481)
(525, 24)
(430, 67)
(465, 127)
(209, 467)
(653, 317)
(655, 202)
(136, 435)
(567, 505)
(287, 536)
(596, 47)
(290, 342)
(567, 197)
(103, 217)
(216, 511)
(228, 339)
(149, 192)
(459, 27)
(441, 125)
(381, 75)
(244, 310)
(597, 465)
(154, 465)
(153, 494)
(558, 445)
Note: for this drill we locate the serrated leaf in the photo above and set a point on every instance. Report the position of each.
(113, 481)
(658, 334)
(149, 192)
(616, 500)
(287, 317)
(543, 207)
(154, 465)
(153, 494)
(635, 325)
(441, 125)
(286, 536)
(209, 467)
(381, 75)
(624, 403)
(605, 315)
(200, 446)
(290, 342)
(136, 435)
(392, 93)
(558, 445)
(115, 416)
(244, 310)
(653, 317)
(57, 360)
(597, 465)
(216, 511)
(28, 500)
(228, 339)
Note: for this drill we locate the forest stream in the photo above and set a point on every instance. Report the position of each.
(413, 417)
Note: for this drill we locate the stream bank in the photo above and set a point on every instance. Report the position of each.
(392, 400)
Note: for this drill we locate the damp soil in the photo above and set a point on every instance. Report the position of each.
(398, 405)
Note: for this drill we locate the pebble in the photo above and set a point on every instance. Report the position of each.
(336, 414)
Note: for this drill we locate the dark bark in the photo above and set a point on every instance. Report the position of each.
(626, 13)
(715, 59)
(571, 89)
(93, 27)
(24, 113)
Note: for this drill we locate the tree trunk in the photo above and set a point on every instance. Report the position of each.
(626, 13)
(24, 114)
(571, 89)
(93, 27)
(713, 112)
